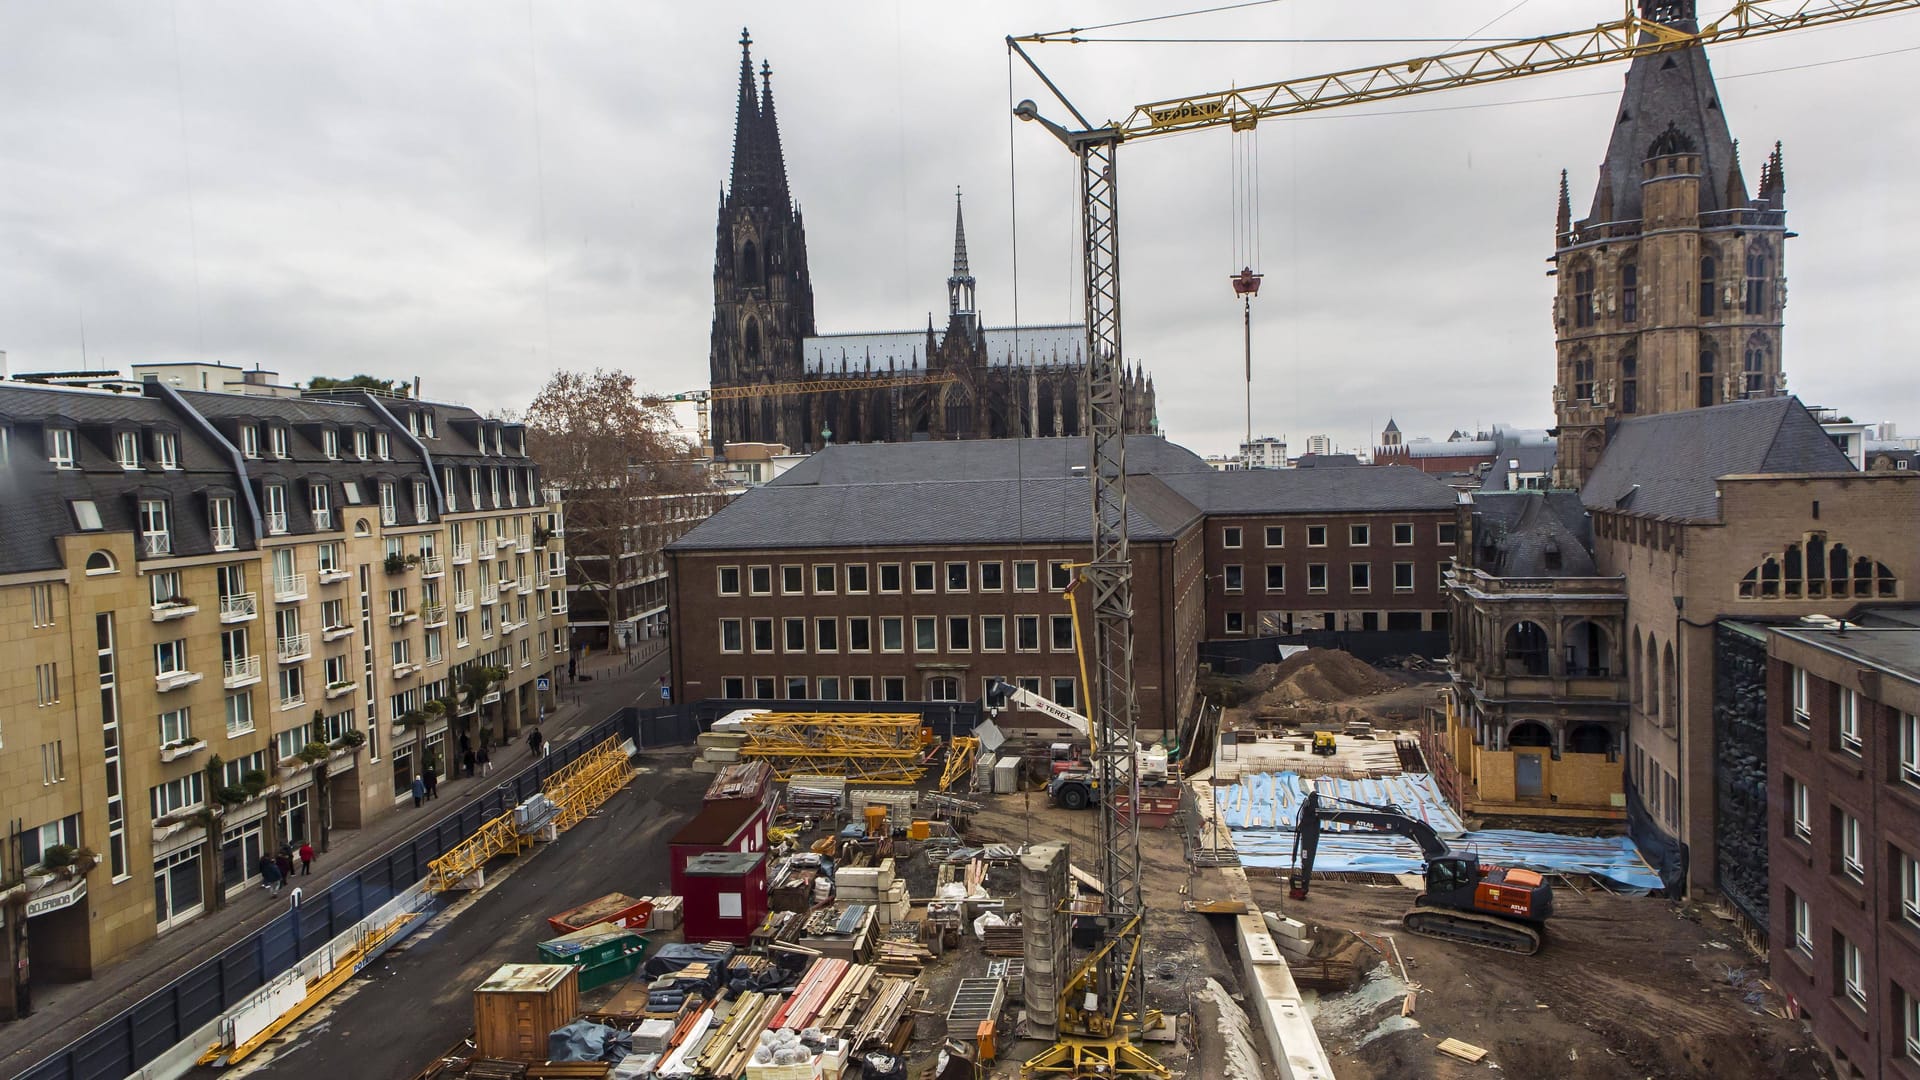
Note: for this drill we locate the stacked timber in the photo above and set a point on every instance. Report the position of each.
(1005, 940)
(741, 780)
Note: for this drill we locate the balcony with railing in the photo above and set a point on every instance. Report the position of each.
(223, 538)
(489, 593)
(335, 633)
(238, 607)
(276, 522)
(405, 668)
(290, 588)
(155, 544)
(463, 600)
(486, 551)
(323, 521)
(431, 566)
(434, 615)
(295, 648)
(523, 544)
(288, 704)
(389, 516)
(525, 584)
(240, 671)
(462, 554)
(507, 542)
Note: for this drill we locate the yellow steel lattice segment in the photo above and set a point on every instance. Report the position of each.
(499, 836)
(581, 791)
(873, 748)
(962, 752)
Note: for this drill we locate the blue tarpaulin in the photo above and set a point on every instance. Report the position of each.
(1261, 810)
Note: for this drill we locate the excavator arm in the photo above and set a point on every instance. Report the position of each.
(1318, 809)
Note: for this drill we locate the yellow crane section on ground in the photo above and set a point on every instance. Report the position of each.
(872, 748)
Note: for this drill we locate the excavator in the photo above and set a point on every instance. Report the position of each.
(1490, 906)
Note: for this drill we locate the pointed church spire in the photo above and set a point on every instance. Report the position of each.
(776, 159)
(1736, 183)
(960, 284)
(746, 122)
(1563, 221)
(1774, 184)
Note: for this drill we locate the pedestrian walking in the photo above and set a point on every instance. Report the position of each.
(285, 861)
(533, 741)
(306, 859)
(469, 761)
(419, 792)
(270, 874)
(433, 779)
(466, 741)
(486, 760)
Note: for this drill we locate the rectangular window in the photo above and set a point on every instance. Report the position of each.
(1801, 716)
(796, 634)
(239, 714)
(1236, 622)
(1316, 577)
(170, 656)
(1799, 798)
(1359, 536)
(126, 449)
(993, 633)
(1853, 971)
(60, 447)
(53, 760)
(1360, 577)
(1852, 859)
(1910, 1025)
(1403, 534)
(926, 630)
(330, 444)
(733, 687)
(1849, 722)
(1316, 536)
(1063, 633)
(959, 633)
(1448, 533)
(1276, 536)
(796, 688)
(46, 680)
(893, 688)
(730, 635)
(857, 578)
(859, 633)
(277, 437)
(1909, 888)
(1233, 578)
(1026, 577)
(1802, 914)
(1276, 578)
(1403, 577)
(826, 635)
(923, 577)
(176, 795)
(249, 441)
(957, 575)
(990, 580)
(1059, 575)
(892, 633)
(860, 688)
(1230, 536)
(763, 687)
(156, 538)
(763, 635)
(175, 726)
(1910, 748)
(384, 444)
(1026, 633)
(824, 579)
(1063, 692)
(760, 580)
(889, 577)
(729, 581)
(42, 605)
(389, 505)
(165, 588)
(829, 688)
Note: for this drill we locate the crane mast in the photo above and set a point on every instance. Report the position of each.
(1097, 149)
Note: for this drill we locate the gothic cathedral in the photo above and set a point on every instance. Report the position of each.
(966, 381)
(1671, 290)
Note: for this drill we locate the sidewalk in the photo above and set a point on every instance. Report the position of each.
(65, 1011)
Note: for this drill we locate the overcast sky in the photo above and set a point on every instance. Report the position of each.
(478, 192)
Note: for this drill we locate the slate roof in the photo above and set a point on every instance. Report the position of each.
(1532, 534)
(1674, 88)
(1326, 461)
(1284, 491)
(980, 459)
(1666, 465)
(1530, 459)
(928, 512)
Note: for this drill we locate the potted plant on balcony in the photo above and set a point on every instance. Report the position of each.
(396, 563)
(541, 534)
(350, 740)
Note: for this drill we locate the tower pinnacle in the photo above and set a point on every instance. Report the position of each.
(960, 285)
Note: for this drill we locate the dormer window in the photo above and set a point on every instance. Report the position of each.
(420, 505)
(360, 445)
(426, 425)
(249, 441)
(473, 484)
(452, 492)
(276, 509)
(126, 449)
(60, 447)
(280, 441)
(330, 444)
(413, 423)
(493, 484)
(386, 446)
(166, 449)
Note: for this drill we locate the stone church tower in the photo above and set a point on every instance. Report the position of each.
(762, 295)
(1671, 290)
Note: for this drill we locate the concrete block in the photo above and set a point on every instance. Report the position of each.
(1285, 927)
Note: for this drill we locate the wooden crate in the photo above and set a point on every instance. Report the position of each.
(518, 1005)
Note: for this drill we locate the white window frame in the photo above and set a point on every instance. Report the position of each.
(1409, 586)
(1032, 573)
(1852, 857)
(1910, 748)
(1399, 525)
(166, 450)
(1325, 534)
(1282, 587)
(999, 625)
(932, 624)
(176, 725)
(126, 449)
(249, 441)
(720, 581)
(1847, 721)
(170, 657)
(330, 443)
(1802, 915)
(898, 623)
(1910, 889)
(1232, 536)
(60, 447)
(1233, 578)
(282, 444)
(788, 624)
(1853, 972)
(1801, 800)
(1802, 714)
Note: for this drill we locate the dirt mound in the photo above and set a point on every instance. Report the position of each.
(1323, 675)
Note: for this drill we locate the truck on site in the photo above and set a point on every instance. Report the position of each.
(1073, 783)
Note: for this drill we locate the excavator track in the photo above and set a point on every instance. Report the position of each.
(1472, 929)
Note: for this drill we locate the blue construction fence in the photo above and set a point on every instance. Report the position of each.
(164, 1018)
(1240, 656)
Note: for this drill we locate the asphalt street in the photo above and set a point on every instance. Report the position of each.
(417, 1001)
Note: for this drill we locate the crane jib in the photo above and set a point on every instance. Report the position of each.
(1187, 112)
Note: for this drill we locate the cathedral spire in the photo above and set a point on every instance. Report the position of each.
(1563, 221)
(960, 285)
(746, 122)
(1736, 183)
(776, 158)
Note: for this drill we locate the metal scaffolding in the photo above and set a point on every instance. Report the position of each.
(872, 748)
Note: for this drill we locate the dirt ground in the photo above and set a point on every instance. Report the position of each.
(1626, 987)
(1328, 687)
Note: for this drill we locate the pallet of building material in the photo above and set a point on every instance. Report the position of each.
(745, 780)
(1004, 941)
(667, 912)
(816, 796)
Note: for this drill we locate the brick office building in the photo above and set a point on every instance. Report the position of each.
(1843, 710)
(920, 571)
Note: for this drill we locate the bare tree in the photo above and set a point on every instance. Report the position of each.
(612, 453)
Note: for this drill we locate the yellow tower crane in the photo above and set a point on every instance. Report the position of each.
(700, 398)
(1660, 26)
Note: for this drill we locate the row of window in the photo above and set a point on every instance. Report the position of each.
(1847, 733)
(1359, 577)
(925, 577)
(1274, 536)
(963, 633)
(1849, 962)
(1751, 296)
(1062, 689)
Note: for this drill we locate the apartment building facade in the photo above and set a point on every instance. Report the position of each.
(614, 598)
(235, 613)
(1843, 737)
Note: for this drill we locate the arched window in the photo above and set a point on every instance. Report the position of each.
(1629, 384)
(1754, 366)
(753, 341)
(1589, 739)
(749, 265)
(1527, 647)
(100, 562)
(1582, 377)
(1670, 687)
(1588, 650)
(1529, 733)
(1652, 671)
(1755, 302)
(1709, 392)
(1708, 291)
(1629, 293)
(1814, 568)
(1634, 670)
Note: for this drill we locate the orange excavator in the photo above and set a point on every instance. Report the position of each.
(1490, 906)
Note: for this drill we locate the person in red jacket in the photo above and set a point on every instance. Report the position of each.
(306, 859)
